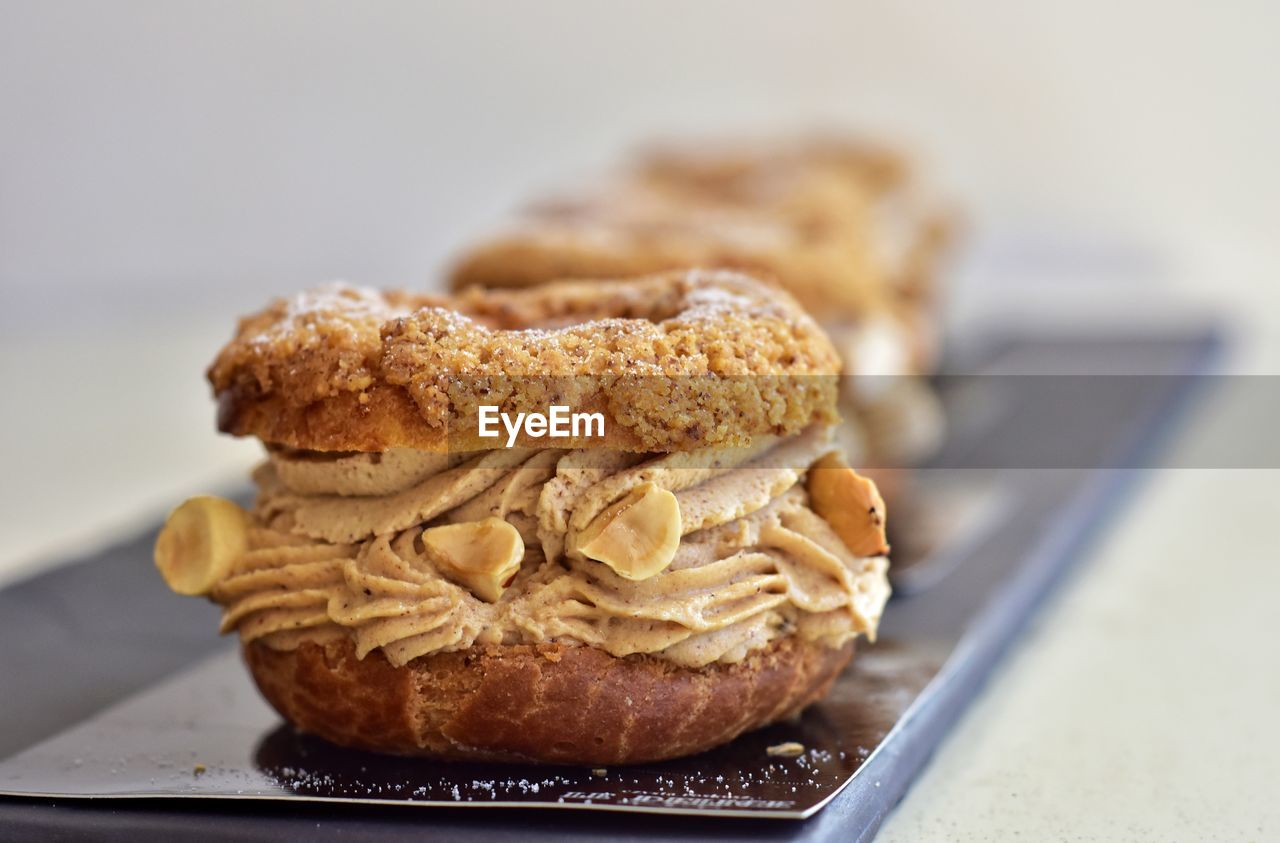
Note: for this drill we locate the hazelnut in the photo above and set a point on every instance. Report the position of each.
(850, 503)
(482, 555)
(199, 543)
(637, 536)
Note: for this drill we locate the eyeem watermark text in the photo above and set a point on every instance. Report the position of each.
(560, 422)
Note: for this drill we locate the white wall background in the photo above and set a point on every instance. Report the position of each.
(229, 149)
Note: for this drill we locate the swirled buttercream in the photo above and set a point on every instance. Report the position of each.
(337, 549)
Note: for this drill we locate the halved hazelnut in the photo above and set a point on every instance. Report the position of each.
(482, 555)
(199, 543)
(637, 536)
(850, 503)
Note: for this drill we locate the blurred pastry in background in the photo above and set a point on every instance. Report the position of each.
(843, 226)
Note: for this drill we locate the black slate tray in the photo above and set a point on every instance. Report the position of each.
(84, 636)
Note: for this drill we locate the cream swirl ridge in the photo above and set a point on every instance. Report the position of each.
(338, 549)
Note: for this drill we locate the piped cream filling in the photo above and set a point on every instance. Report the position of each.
(336, 549)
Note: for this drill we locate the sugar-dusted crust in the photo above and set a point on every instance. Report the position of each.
(547, 703)
(677, 361)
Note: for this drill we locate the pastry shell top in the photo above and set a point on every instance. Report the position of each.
(677, 361)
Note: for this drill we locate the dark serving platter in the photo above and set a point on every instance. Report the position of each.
(124, 715)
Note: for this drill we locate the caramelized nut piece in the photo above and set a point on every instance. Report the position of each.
(482, 555)
(199, 542)
(637, 537)
(789, 749)
(850, 503)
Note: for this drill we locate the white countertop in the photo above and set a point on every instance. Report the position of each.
(1141, 702)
